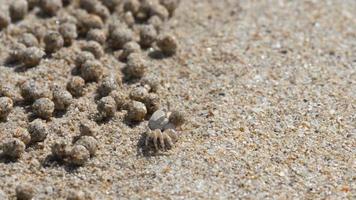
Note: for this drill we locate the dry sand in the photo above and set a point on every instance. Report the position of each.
(270, 87)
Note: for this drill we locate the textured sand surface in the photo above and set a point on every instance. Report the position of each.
(270, 88)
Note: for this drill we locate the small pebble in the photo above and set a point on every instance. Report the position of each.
(53, 42)
(43, 108)
(24, 192)
(4, 19)
(38, 130)
(31, 90)
(136, 111)
(92, 70)
(93, 47)
(88, 128)
(23, 135)
(68, 32)
(158, 120)
(82, 57)
(62, 99)
(76, 86)
(108, 84)
(136, 66)
(60, 149)
(51, 7)
(97, 35)
(107, 107)
(167, 44)
(89, 142)
(120, 36)
(6, 106)
(18, 9)
(32, 56)
(79, 155)
(138, 94)
(120, 98)
(13, 148)
(148, 35)
(129, 48)
(29, 40)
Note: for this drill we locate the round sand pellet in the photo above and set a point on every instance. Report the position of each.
(38, 130)
(129, 48)
(43, 108)
(155, 21)
(102, 11)
(152, 102)
(107, 106)
(132, 5)
(136, 66)
(31, 90)
(32, 56)
(89, 142)
(120, 36)
(24, 192)
(29, 40)
(120, 98)
(4, 19)
(97, 35)
(138, 94)
(93, 47)
(13, 148)
(92, 70)
(159, 10)
(177, 118)
(60, 149)
(53, 42)
(88, 128)
(136, 111)
(111, 4)
(168, 44)
(171, 5)
(108, 84)
(23, 135)
(76, 86)
(51, 7)
(68, 32)
(18, 9)
(82, 57)
(79, 155)
(62, 99)
(6, 106)
(148, 35)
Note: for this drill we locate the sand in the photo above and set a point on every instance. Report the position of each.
(269, 87)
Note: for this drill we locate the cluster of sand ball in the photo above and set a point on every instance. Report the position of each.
(127, 28)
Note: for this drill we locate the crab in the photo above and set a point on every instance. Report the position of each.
(161, 140)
